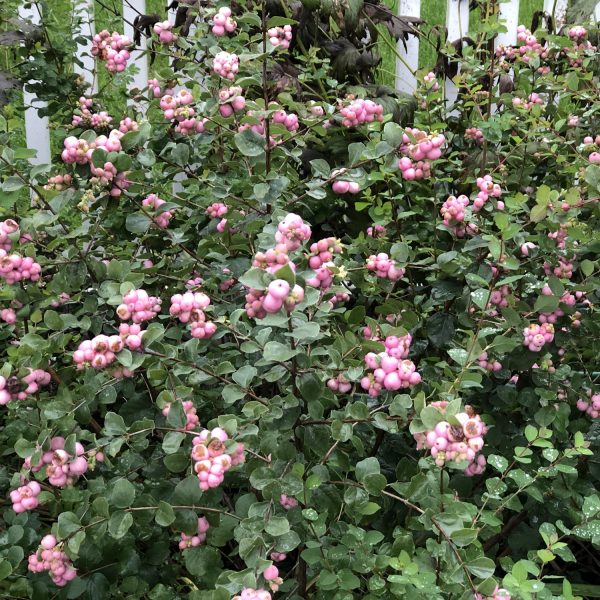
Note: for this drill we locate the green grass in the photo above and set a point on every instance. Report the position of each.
(433, 12)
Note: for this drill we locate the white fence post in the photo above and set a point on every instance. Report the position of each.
(597, 13)
(558, 10)
(509, 15)
(131, 9)
(83, 10)
(37, 133)
(457, 23)
(405, 68)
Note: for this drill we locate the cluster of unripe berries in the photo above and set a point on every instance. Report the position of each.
(339, 384)
(288, 502)
(13, 388)
(114, 49)
(223, 22)
(564, 269)
(361, 111)
(533, 99)
(138, 306)
(392, 370)
(62, 468)
(189, 308)
(475, 134)
(192, 419)
(25, 497)
(164, 33)
(59, 182)
(487, 188)
(341, 186)
(591, 405)
(211, 462)
(535, 336)
(192, 541)
(280, 36)
(271, 576)
(384, 267)
(154, 203)
(215, 211)
(456, 443)
(178, 108)
(226, 65)
(49, 557)
(231, 100)
(419, 149)
(128, 124)
(87, 117)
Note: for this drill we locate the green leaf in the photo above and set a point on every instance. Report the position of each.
(250, 143)
(119, 524)
(244, 375)
(366, 467)
(137, 222)
(481, 567)
(165, 515)
(5, 569)
(68, 523)
(278, 352)
(172, 441)
(122, 494)
(277, 526)
(114, 425)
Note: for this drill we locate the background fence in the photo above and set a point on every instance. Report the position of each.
(398, 68)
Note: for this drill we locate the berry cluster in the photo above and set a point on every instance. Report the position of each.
(252, 594)
(339, 384)
(231, 100)
(281, 295)
(361, 111)
(453, 213)
(157, 92)
(9, 232)
(376, 231)
(226, 65)
(288, 502)
(8, 315)
(288, 120)
(15, 268)
(271, 576)
(280, 36)
(25, 497)
(85, 117)
(487, 188)
(456, 443)
(113, 49)
(192, 541)
(138, 306)
(59, 182)
(192, 419)
(292, 231)
(341, 186)
(189, 308)
(591, 405)
(384, 267)
(216, 210)
(490, 365)
(164, 33)
(533, 99)
(223, 22)
(475, 134)
(210, 460)
(99, 352)
(128, 124)
(50, 557)
(177, 108)
(419, 149)
(154, 202)
(535, 336)
(564, 269)
(13, 388)
(390, 372)
(62, 468)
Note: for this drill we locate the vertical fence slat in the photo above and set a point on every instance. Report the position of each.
(37, 133)
(509, 15)
(558, 9)
(405, 80)
(457, 23)
(131, 9)
(597, 12)
(84, 10)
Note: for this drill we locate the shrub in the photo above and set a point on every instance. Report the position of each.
(268, 334)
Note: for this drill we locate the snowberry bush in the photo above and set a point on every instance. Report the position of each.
(267, 334)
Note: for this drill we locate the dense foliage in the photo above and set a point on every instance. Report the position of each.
(268, 333)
